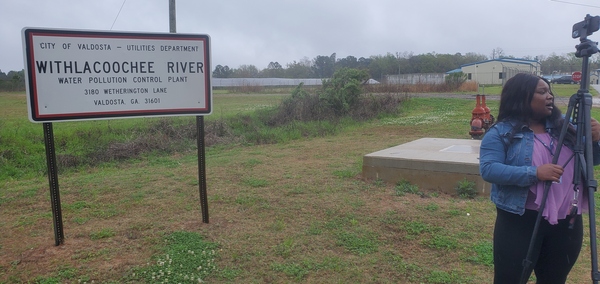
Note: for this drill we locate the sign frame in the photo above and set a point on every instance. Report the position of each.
(192, 95)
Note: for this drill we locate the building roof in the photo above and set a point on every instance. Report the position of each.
(507, 60)
(457, 70)
(240, 82)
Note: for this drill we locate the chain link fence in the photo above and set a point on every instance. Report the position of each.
(414, 79)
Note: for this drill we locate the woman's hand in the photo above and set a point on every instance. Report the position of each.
(549, 172)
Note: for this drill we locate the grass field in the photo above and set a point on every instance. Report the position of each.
(294, 212)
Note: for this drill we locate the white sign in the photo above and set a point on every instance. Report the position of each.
(77, 75)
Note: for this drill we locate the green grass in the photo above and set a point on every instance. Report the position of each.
(560, 90)
(187, 258)
(23, 153)
(483, 253)
(403, 187)
(358, 243)
(291, 212)
(228, 105)
(102, 234)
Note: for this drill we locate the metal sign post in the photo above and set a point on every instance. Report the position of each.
(88, 75)
(200, 131)
(59, 236)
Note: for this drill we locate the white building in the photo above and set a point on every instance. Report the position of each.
(497, 71)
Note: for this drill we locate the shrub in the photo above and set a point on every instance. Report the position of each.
(455, 80)
(342, 91)
(299, 92)
(466, 189)
(301, 106)
(341, 96)
(373, 106)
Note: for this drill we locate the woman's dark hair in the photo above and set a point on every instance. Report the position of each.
(515, 103)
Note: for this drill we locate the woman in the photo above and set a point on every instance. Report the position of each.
(516, 158)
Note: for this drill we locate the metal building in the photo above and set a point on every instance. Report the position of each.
(497, 71)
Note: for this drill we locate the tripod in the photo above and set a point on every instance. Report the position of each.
(579, 113)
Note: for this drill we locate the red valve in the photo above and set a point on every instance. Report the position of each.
(481, 118)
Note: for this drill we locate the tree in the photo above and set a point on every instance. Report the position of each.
(273, 70)
(363, 63)
(245, 71)
(17, 80)
(222, 72)
(446, 62)
(380, 65)
(348, 62)
(324, 66)
(299, 70)
(497, 53)
(426, 63)
(573, 63)
(274, 65)
(342, 91)
(383, 65)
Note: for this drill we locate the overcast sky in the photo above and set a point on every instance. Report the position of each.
(262, 31)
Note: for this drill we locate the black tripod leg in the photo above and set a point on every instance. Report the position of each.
(573, 102)
(591, 185)
(592, 224)
(527, 261)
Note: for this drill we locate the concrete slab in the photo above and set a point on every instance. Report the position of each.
(430, 163)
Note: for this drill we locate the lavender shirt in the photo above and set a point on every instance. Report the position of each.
(561, 195)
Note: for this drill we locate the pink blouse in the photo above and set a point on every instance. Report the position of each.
(561, 195)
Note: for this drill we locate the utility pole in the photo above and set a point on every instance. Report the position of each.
(172, 17)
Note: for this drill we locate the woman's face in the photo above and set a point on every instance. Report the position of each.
(542, 102)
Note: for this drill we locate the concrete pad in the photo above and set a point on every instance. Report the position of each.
(430, 163)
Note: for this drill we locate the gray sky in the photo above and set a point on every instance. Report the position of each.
(262, 31)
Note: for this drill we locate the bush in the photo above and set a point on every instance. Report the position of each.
(455, 80)
(341, 96)
(301, 106)
(466, 189)
(372, 106)
(342, 91)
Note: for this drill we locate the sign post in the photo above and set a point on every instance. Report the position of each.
(200, 131)
(87, 75)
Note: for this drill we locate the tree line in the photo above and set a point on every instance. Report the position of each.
(13, 81)
(377, 66)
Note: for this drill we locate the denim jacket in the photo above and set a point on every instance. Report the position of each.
(507, 165)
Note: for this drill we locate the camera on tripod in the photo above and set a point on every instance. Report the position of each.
(583, 29)
(586, 27)
(578, 114)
